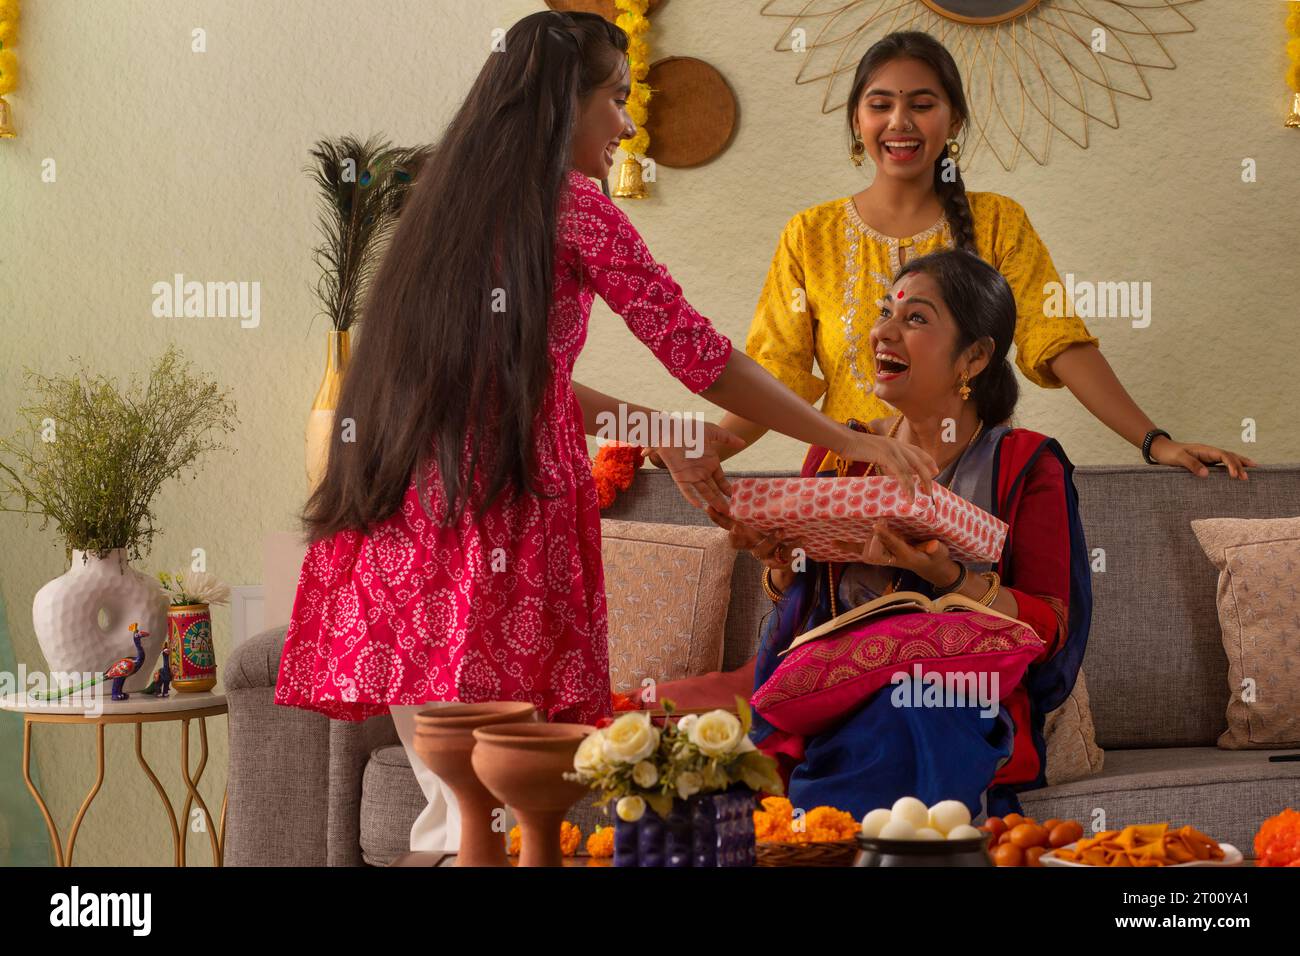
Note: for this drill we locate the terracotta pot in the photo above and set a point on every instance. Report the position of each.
(524, 765)
(444, 739)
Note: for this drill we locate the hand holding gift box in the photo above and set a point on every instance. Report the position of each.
(824, 511)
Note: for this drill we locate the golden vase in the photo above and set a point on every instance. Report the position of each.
(320, 421)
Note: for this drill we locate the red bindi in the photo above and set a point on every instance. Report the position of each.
(900, 295)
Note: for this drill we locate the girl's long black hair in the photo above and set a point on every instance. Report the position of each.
(439, 376)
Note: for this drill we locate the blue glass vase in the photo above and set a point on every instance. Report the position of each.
(709, 829)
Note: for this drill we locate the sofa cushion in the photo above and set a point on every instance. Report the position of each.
(1259, 615)
(667, 591)
(1072, 751)
(1156, 669)
(391, 799)
(1225, 793)
(654, 497)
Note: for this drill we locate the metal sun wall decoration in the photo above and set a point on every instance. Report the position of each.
(1031, 68)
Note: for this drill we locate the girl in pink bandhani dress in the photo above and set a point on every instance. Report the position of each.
(512, 607)
(454, 539)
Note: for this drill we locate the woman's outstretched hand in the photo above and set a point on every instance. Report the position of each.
(910, 465)
(1195, 457)
(700, 478)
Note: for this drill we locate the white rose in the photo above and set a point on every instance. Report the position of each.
(717, 733)
(645, 775)
(631, 738)
(590, 757)
(685, 723)
(689, 783)
(630, 809)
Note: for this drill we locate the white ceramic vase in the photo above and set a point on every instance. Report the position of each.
(67, 617)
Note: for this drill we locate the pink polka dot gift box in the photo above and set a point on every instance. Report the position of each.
(820, 511)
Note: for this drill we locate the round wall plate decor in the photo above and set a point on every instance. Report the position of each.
(692, 112)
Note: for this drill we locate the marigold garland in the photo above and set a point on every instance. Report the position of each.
(1293, 71)
(8, 39)
(634, 23)
(1293, 47)
(614, 468)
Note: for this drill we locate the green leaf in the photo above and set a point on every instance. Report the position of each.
(661, 803)
(746, 715)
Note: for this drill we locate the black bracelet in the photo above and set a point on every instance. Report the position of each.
(1148, 441)
(956, 585)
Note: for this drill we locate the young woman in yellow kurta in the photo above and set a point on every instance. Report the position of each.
(835, 261)
(830, 271)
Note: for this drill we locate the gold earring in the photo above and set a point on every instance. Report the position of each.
(857, 152)
(965, 388)
(954, 150)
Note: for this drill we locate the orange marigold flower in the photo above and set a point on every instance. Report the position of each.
(570, 838)
(613, 469)
(775, 823)
(1278, 841)
(600, 845)
(621, 702)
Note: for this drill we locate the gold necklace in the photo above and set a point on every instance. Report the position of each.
(842, 468)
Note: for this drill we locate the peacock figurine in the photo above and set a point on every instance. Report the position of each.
(117, 673)
(161, 684)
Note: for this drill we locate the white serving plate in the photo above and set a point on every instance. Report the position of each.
(1231, 857)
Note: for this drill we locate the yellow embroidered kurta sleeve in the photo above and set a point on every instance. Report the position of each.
(781, 335)
(1027, 266)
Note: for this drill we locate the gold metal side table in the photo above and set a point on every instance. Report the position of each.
(139, 710)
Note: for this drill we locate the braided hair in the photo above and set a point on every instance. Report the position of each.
(913, 44)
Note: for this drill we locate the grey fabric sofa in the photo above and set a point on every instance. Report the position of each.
(308, 791)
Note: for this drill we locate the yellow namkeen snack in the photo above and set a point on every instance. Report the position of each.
(1150, 844)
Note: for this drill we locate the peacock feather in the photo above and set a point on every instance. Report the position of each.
(363, 186)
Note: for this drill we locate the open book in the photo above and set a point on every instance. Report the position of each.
(899, 602)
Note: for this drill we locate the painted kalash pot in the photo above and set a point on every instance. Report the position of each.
(189, 648)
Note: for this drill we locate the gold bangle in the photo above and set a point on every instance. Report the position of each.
(995, 584)
(768, 587)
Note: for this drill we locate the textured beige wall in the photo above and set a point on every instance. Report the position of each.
(170, 161)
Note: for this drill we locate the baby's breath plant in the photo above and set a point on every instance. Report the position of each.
(92, 458)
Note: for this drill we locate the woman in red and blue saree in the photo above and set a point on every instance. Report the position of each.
(940, 346)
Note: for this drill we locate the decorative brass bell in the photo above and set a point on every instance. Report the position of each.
(7, 130)
(631, 185)
(1293, 121)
